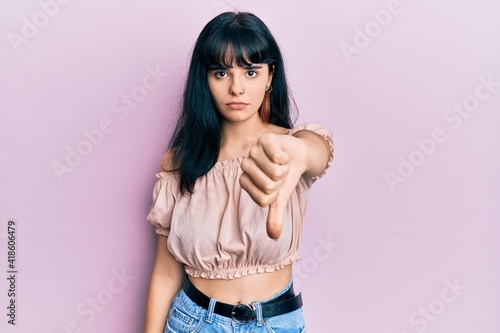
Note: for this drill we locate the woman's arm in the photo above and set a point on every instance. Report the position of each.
(274, 167)
(318, 152)
(165, 282)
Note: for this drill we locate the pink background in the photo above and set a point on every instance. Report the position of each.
(376, 258)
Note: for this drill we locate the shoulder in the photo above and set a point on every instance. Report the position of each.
(277, 129)
(317, 128)
(167, 163)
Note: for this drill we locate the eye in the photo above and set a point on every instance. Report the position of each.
(252, 73)
(220, 74)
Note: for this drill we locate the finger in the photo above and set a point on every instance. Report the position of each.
(274, 224)
(259, 178)
(273, 148)
(261, 198)
(277, 208)
(271, 169)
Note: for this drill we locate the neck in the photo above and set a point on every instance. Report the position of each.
(238, 137)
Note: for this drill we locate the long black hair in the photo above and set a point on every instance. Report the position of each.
(230, 37)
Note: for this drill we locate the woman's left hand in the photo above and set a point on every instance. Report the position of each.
(271, 173)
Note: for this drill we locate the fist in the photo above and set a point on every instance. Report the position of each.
(270, 174)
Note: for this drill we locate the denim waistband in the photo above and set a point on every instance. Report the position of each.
(210, 316)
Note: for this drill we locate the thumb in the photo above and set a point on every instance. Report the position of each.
(274, 224)
(277, 208)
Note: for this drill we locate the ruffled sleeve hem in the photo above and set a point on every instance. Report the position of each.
(160, 213)
(325, 133)
(162, 231)
(234, 273)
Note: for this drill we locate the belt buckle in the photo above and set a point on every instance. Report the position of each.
(243, 313)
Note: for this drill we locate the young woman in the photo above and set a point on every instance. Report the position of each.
(231, 195)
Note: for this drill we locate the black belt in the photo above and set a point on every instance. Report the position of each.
(243, 313)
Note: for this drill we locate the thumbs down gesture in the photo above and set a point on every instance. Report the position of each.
(271, 172)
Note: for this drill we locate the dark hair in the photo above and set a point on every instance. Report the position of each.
(196, 139)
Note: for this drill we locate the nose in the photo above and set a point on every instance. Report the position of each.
(236, 87)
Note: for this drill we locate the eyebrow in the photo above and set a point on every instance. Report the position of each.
(253, 67)
(247, 67)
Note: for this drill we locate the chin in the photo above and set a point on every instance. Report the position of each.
(238, 116)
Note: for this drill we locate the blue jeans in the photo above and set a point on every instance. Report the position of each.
(186, 316)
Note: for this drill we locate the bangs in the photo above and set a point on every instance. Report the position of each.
(233, 45)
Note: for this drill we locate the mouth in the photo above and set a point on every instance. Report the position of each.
(236, 105)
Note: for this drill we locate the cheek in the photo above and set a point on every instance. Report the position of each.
(259, 95)
(214, 92)
(217, 98)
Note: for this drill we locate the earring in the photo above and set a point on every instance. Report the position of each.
(269, 88)
(265, 107)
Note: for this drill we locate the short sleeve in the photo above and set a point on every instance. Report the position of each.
(326, 134)
(160, 214)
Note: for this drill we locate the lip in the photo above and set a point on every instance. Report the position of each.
(236, 105)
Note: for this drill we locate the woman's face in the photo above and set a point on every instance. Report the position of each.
(238, 91)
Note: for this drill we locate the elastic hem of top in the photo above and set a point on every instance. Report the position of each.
(234, 273)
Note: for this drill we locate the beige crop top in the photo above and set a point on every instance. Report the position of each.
(219, 232)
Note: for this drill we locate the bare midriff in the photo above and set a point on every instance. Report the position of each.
(255, 287)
